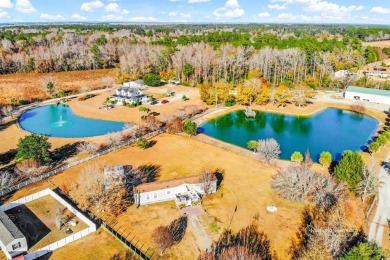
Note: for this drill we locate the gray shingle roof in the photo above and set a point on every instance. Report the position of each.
(8, 230)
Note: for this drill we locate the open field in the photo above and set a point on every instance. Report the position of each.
(28, 85)
(36, 220)
(246, 185)
(380, 44)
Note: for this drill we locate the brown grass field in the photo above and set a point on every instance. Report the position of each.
(246, 185)
(28, 85)
(380, 44)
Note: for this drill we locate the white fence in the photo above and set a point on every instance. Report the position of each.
(60, 243)
(51, 173)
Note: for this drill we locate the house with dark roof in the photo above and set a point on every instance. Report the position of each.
(129, 95)
(12, 241)
(186, 190)
(368, 94)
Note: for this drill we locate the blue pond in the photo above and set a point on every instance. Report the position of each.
(59, 121)
(332, 130)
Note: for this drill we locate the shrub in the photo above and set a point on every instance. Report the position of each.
(88, 96)
(152, 79)
(35, 147)
(350, 169)
(297, 157)
(373, 147)
(382, 140)
(325, 159)
(142, 143)
(190, 127)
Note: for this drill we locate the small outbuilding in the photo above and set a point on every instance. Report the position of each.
(368, 94)
(12, 240)
(135, 84)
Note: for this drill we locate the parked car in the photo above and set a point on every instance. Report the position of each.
(154, 102)
(164, 101)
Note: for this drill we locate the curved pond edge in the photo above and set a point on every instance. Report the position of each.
(17, 121)
(241, 108)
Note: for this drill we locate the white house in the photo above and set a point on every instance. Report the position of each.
(381, 72)
(12, 241)
(135, 84)
(182, 190)
(368, 94)
(343, 74)
(129, 95)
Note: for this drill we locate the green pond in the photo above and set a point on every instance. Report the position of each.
(332, 130)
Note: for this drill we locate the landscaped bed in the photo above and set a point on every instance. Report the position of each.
(36, 220)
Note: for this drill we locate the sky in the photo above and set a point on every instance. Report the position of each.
(197, 11)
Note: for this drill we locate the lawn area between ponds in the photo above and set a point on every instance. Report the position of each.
(245, 187)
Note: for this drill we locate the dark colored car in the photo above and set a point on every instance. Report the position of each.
(164, 101)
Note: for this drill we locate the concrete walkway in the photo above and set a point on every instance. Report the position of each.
(382, 213)
(203, 240)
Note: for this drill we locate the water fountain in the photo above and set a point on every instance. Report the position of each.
(61, 123)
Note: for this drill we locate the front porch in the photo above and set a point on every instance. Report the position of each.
(187, 199)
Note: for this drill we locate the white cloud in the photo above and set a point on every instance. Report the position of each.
(6, 4)
(51, 17)
(277, 6)
(114, 8)
(172, 14)
(143, 19)
(24, 6)
(112, 17)
(230, 10)
(79, 17)
(184, 15)
(119, 18)
(289, 17)
(264, 14)
(381, 10)
(90, 6)
(195, 1)
(174, 0)
(4, 14)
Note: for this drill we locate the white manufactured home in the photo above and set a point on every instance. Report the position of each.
(368, 94)
(12, 241)
(182, 190)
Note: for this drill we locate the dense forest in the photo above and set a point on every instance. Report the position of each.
(194, 54)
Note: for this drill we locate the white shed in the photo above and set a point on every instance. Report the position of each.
(12, 241)
(368, 94)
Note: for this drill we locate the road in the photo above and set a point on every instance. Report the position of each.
(382, 214)
(54, 100)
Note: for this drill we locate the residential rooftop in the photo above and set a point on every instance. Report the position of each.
(159, 185)
(8, 230)
(372, 91)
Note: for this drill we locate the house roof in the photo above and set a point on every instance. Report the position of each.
(159, 185)
(378, 69)
(372, 91)
(8, 230)
(139, 81)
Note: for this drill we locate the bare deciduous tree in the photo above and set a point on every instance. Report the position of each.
(113, 139)
(88, 148)
(8, 110)
(6, 180)
(369, 185)
(49, 84)
(162, 238)
(207, 179)
(268, 149)
(108, 82)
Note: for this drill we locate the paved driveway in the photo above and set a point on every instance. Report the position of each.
(382, 213)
